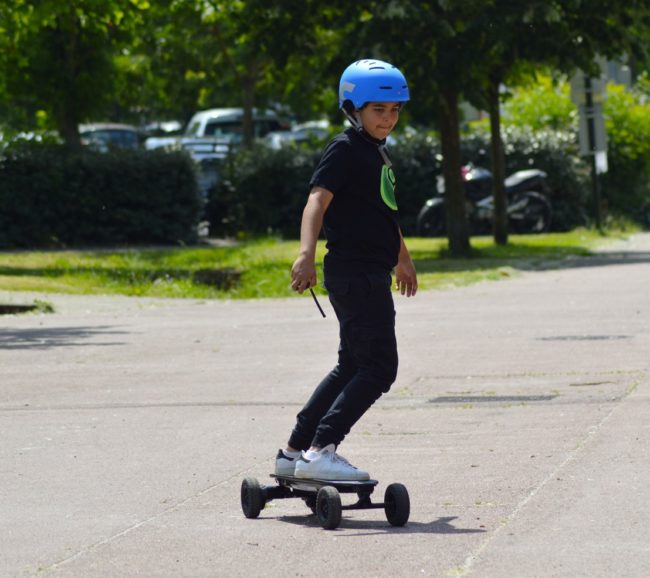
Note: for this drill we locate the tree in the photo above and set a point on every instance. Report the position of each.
(430, 41)
(59, 56)
(248, 53)
(515, 37)
(469, 49)
(166, 73)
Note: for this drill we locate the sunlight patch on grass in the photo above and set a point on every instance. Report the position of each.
(261, 268)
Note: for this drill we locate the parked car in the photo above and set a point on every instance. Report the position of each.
(210, 133)
(209, 136)
(162, 128)
(106, 136)
(311, 130)
(229, 123)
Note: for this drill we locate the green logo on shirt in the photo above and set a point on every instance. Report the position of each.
(388, 187)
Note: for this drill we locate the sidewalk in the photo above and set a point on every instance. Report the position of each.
(520, 423)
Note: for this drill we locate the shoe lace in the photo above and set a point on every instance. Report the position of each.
(339, 458)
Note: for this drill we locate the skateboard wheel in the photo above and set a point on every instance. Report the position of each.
(397, 504)
(328, 507)
(252, 498)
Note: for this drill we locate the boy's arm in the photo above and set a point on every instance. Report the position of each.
(406, 279)
(303, 272)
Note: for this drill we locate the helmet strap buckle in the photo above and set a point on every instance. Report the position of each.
(384, 155)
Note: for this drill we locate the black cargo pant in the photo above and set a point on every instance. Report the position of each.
(367, 360)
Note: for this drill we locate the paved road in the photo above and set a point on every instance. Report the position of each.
(520, 423)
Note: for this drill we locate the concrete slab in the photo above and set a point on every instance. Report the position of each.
(519, 423)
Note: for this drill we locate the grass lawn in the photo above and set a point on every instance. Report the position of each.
(260, 268)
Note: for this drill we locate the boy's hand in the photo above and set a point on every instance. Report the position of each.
(303, 274)
(406, 278)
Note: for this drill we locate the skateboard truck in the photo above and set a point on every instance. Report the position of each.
(323, 498)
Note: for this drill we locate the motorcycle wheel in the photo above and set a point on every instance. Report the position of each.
(431, 221)
(535, 216)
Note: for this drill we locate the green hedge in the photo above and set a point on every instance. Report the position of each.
(626, 185)
(416, 159)
(261, 191)
(52, 197)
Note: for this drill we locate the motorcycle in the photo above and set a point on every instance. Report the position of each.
(528, 209)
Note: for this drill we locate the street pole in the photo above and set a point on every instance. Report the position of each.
(591, 130)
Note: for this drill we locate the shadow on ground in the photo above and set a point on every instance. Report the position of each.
(46, 338)
(381, 526)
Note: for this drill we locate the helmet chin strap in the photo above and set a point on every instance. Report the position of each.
(384, 155)
(348, 111)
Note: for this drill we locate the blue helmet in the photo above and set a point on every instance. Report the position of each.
(371, 80)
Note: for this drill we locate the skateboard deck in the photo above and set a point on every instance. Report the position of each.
(309, 484)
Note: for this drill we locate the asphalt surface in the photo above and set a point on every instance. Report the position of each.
(520, 423)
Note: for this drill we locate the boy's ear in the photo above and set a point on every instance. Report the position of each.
(348, 107)
(351, 113)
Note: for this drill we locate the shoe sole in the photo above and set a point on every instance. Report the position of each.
(301, 476)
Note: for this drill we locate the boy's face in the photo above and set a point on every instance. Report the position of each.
(379, 118)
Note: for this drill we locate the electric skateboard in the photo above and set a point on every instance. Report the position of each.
(323, 498)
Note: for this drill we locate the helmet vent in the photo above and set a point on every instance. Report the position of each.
(377, 68)
(385, 87)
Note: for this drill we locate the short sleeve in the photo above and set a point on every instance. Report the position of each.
(333, 169)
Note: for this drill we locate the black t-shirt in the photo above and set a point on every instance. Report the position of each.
(361, 222)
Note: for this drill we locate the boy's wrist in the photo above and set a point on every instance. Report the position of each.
(307, 253)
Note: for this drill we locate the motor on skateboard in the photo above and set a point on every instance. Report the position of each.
(323, 497)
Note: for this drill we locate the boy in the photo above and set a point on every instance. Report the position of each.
(352, 197)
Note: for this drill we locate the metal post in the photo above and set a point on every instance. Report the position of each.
(591, 130)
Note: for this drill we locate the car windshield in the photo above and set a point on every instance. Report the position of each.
(224, 128)
(112, 138)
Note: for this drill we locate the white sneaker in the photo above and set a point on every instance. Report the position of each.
(285, 463)
(328, 465)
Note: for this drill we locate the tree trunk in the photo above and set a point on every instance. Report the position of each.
(249, 82)
(66, 113)
(68, 124)
(500, 224)
(457, 227)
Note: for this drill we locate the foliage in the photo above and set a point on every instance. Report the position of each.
(52, 197)
(245, 53)
(439, 62)
(59, 56)
(62, 63)
(261, 191)
(626, 185)
(539, 124)
(416, 162)
(441, 59)
(541, 118)
(541, 104)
